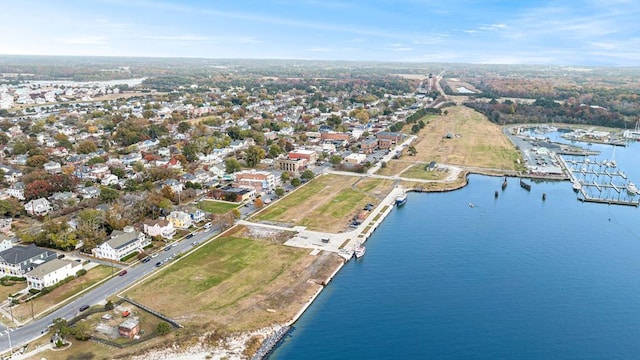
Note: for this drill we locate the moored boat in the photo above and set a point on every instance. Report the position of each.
(504, 183)
(359, 251)
(401, 199)
(632, 189)
(525, 185)
(577, 186)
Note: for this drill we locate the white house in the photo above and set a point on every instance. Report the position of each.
(17, 260)
(38, 207)
(52, 272)
(121, 244)
(52, 167)
(16, 190)
(163, 228)
(110, 179)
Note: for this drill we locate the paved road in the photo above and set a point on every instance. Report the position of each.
(98, 295)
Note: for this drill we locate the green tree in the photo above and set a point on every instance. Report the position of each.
(190, 151)
(82, 330)
(307, 175)
(254, 155)
(285, 176)
(37, 160)
(231, 165)
(279, 192)
(274, 151)
(335, 160)
(412, 150)
(295, 182)
(108, 194)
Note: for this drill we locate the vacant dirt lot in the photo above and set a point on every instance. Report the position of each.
(228, 286)
(474, 141)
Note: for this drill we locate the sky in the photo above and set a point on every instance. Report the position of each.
(569, 32)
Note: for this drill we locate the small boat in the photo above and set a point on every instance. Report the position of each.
(525, 185)
(577, 186)
(401, 199)
(495, 194)
(359, 251)
(504, 183)
(471, 205)
(544, 196)
(632, 189)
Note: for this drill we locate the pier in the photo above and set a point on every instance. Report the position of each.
(586, 168)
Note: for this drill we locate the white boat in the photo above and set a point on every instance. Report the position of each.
(577, 186)
(401, 199)
(632, 188)
(359, 251)
(471, 205)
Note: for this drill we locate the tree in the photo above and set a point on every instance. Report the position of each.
(231, 165)
(285, 176)
(87, 147)
(274, 151)
(37, 160)
(108, 194)
(335, 160)
(254, 155)
(258, 203)
(184, 127)
(307, 175)
(108, 306)
(412, 150)
(38, 189)
(10, 207)
(82, 330)
(279, 192)
(163, 328)
(295, 182)
(190, 151)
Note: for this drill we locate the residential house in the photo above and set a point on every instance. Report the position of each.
(197, 215)
(52, 272)
(38, 207)
(11, 175)
(180, 219)
(175, 185)
(131, 158)
(110, 179)
(129, 329)
(121, 244)
(5, 227)
(52, 167)
(89, 192)
(18, 260)
(230, 193)
(16, 190)
(160, 227)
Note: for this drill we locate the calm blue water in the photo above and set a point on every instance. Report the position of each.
(511, 278)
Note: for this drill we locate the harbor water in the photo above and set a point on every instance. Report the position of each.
(512, 277)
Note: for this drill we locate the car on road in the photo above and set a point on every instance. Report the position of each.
(84, 307)
(123, 273)
(189, 236)
(158, 264)
(167, 248)
(154, 255)
(61, 256)
(146, 260)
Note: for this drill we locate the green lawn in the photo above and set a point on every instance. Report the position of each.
(418, 171)
(216, 207)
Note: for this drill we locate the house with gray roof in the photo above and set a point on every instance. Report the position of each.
(18, 260)
(121, 244)
(51, 273)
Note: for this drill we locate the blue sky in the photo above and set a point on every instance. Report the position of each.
(587, 32)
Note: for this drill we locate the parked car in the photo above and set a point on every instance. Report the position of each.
(158, 264)
(189, 236)
(146, 260)
(167, 248)
(154, 255)
(84, 307)
(61, 256)
(123, 273)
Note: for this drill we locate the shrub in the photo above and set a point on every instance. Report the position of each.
(163, 328)
(34, 291)
(81, 272)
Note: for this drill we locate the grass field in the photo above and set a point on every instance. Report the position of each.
(59, 294)
(475, 141)
(326, 203)
(216, 207)
(228, 285)
(418, 171)
(393, 168)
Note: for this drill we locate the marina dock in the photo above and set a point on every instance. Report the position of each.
(587, 174)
